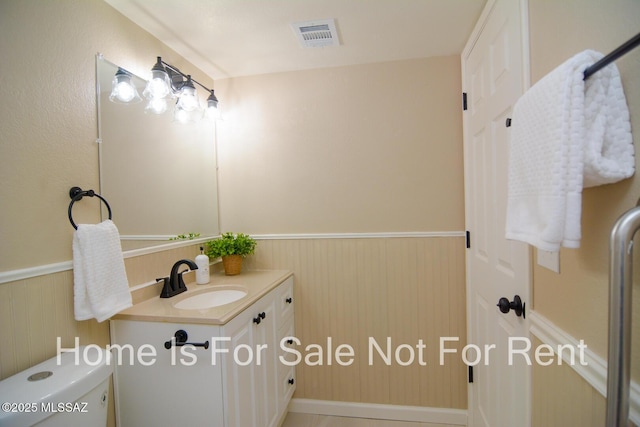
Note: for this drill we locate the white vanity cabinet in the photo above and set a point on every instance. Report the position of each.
(238, 381)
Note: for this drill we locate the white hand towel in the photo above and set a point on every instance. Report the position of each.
(100, 287)
(567, 134)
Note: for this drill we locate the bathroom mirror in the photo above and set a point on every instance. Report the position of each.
(158, 175)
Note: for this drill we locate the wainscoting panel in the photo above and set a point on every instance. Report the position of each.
(561, 397)
(396, 291)
(34, 312)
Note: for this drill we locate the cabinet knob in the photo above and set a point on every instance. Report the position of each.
(291, 381)
(259, 318)
(289, 300)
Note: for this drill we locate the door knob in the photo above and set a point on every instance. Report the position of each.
(516, 305)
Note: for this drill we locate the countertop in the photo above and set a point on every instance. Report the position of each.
(257, 283)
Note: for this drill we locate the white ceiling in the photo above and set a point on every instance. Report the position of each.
(230, 38)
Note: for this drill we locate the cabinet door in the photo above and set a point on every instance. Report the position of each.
(253, 391)
(266, 370)
(175, 386)
(240, 393)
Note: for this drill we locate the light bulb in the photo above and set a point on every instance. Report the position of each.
(122, 89)
(189, 99)
(212, 113)
(124, 92)
(183, 116)
(156, 106)
(158, 86)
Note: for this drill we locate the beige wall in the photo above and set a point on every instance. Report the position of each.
(367, 148)
(48, 128)
(576, 300)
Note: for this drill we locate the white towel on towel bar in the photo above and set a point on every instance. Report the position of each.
(567, 134)
(100, 285)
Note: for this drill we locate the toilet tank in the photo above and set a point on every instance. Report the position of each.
(70, 392)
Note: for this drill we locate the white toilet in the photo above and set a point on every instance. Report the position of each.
(73, 393)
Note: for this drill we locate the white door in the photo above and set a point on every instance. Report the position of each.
(493, 78)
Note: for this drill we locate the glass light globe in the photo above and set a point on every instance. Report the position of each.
(158, 86)
(156, 106)
(183, 116)
(212, 112)
(188, 99)
(123, 90)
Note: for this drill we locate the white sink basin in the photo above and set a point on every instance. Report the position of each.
(210, 299)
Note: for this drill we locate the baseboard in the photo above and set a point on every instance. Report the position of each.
(595, 370)
(379, 411)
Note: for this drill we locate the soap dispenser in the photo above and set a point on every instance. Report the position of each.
(202, 273)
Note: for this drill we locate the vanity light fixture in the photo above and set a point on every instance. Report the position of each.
(168, 82)
(123, 91)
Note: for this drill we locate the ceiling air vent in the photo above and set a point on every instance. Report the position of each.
(319, 33)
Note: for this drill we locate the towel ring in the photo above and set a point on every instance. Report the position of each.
(77, 193)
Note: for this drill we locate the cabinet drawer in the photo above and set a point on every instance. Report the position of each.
(284, 301)
(285, 358)
(287, 387)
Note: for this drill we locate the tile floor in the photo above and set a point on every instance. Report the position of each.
(309, 420)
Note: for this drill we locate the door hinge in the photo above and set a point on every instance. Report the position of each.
(464, 101)
(468, 239)
(470, 374)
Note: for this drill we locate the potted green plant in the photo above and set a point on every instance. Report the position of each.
(232, 248)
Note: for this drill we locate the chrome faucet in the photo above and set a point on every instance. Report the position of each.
(174, 284)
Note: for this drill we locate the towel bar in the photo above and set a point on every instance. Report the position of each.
(623, 49)
(617, 53)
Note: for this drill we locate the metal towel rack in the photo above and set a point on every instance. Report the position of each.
(620, 287)
(606, 60)
(624, 48)
(77, 193)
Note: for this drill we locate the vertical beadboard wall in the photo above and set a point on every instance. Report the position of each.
(581, 406)
(352, 289)
(33, 313)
